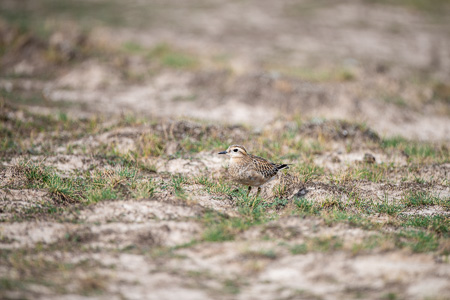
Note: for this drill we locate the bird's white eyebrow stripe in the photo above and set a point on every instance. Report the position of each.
(238, 146)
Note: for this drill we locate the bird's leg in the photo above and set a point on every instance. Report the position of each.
(259, 191)
(249, 189)
(256, 197)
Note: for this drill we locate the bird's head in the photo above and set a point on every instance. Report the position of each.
(235, 151)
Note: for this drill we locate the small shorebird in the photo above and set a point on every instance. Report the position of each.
(249, 169)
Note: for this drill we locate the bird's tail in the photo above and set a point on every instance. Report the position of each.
(283, 166)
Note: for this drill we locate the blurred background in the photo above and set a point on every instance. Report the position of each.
(112, 113)
(385, 63)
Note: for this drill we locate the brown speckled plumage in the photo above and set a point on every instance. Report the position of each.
(250, 170)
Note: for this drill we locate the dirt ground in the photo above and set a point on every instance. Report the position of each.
(112, 114)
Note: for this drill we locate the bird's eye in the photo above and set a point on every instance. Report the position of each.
(235, 150)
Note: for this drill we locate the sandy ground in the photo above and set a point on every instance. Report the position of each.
(348, 60)
(259, 65)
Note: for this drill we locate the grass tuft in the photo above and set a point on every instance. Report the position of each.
(420, 198)
(109, 184)
(306, 206)
(417, 151)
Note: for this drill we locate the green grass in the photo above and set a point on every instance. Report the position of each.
(396, 100)
(178, 60)
(122, 179)
(20, 133)
(269, 254)
(334, 203)
(357, 219)
(369, 243)
(90, 187)
(433, 229)
(372, 172)
(343, 206)
(277, 203)
(420, 198)
(437, 224)
(385, 207)
(311, 147)
(435, 8)
(219, 228)
(299, 249)
(133, 48)
(125, 182)
(177, 185)
(21, 98)
(367, 172)
(325, 244)
(231, 287)
(317, 244)
(214, 187)
(144, 189)
(390, 296)
(306, 206)
(418, 241)
(164, 55)
(87, 14)
(7, 284)
(335, 74)
(170, 57)
(308, 171)
(37, 270)
(417, 151)
(97, 195)
(252, 211)
(63, 189)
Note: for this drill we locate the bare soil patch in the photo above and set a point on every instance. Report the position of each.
(112, 114)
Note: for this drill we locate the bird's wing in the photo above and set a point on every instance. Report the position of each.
(265, 167)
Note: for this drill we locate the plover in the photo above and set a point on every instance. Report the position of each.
(249, 169)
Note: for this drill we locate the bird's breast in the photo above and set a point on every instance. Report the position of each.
(245, 174)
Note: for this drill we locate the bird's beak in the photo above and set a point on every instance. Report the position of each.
(223, 152)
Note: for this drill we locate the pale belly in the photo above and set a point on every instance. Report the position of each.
(247, 177)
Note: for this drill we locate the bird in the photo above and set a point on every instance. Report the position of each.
(250, 170)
